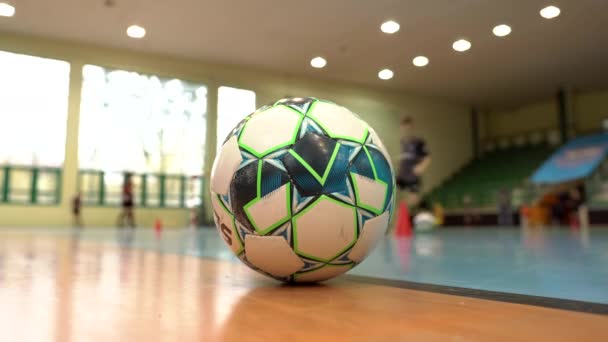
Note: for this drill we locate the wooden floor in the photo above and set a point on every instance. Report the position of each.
(63, 289)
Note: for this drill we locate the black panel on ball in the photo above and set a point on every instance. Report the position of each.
(361, 165)
(272, 179)
(316, 151)
(243, 190)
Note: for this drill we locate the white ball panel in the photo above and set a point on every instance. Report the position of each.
(325, 229)
(272, 254)
(373, 230)
(270, 210)
(371, 194)
(269, 129)
(225, 165)
(339, 121)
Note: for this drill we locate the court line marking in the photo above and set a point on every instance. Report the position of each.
(514, 298)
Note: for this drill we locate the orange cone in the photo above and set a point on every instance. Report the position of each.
(574, 223)
(404, 225)
(158, 226)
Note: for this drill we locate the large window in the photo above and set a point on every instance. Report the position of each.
(141, 123)
(33, 113)
(233, 105)
(151, 127)
(33, 110)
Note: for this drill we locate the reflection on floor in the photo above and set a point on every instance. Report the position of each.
(100, 285)
(556, 263)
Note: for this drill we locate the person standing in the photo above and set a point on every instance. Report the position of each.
(505, 208)
(128, 202)
(76, 212)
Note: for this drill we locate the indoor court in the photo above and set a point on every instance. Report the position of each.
(105, 284)
(338, 170)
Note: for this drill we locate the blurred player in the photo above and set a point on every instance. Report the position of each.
(76, 206)
(505, 209)
(128, 203)
(413, 162)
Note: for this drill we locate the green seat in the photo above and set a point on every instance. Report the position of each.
(483, 178)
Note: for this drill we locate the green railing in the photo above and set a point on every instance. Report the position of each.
(30, 185)
(151, 190)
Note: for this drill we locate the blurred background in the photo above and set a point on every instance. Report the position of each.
(112, 112)
(511, 98)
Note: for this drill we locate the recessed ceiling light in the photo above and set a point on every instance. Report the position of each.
(461, 45)
(385, 74)
(550, 12)
(420, 61)
(318, 62)
(390, 27)
(135, 31)
(6, 10)
(501, 30)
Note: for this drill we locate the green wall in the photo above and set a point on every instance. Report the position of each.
(588, 109)
(541, 115)
(446, 126)
(591, 109)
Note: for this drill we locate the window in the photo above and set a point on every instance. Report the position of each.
(141, 123)
(233, 105)
(151, 127)
(33, 114)
(194, 191)
(33, 110)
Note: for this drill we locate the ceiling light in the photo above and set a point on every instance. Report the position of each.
(461, 45)
(135, 31)
(318, 62)
(390, 27)
(550, 12)
(501, 30)
(420, 61)
(6, 10)
(385, 74)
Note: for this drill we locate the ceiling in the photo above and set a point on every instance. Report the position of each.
(283, 35)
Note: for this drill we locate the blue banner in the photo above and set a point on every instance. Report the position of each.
(575, 160)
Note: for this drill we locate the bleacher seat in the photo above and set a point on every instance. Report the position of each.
(483, 178)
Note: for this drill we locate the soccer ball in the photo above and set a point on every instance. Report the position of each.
(302, 190)
(424, 222)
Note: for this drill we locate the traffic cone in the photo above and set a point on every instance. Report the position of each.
(574, 222)
(404, 225)
(158, 226)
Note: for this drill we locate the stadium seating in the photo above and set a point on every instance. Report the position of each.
(483, 178)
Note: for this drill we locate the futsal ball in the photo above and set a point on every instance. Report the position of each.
(424, 221)
(302, 190)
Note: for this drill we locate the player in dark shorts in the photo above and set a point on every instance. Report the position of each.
(128, 203)
(76, 212)
(413, 162)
